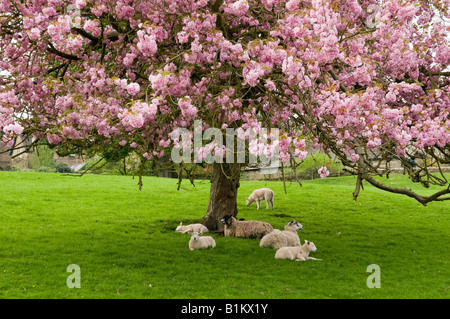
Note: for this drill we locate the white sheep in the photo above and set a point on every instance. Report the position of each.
(287, 237)
(198, 242)
(191, 228)
(298, 253)
(259, 195)
(246, 228)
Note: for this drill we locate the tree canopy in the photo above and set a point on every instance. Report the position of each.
(362, 80)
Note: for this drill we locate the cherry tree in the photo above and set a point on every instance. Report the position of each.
(366, 81)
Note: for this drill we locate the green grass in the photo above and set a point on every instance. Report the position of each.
(123, 240)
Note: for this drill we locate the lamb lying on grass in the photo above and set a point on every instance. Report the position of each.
(198, 242)
(191, 228)
(259, 195)
(297, 253)
(287, 237)
(246, 228)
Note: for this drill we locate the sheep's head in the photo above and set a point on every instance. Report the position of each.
(310, 245)
(179, 228)
(227, 220)
(195, 235)
(295, 224)
(248, 202)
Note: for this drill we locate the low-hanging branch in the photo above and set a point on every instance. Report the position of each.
(424, 200)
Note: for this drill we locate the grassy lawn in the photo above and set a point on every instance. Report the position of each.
(123, 240)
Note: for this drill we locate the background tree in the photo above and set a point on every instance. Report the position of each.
(360, 79)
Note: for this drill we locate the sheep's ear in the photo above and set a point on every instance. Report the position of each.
(200, 233)
(189, 233)
(181, 224)
(308, 242)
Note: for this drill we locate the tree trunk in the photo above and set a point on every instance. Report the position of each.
(223, 194)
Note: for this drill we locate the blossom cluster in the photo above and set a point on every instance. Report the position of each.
(134, 70)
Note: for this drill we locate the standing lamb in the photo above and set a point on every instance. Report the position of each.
(298, 253)
(246, 228)
(259, 195)
(287, 237)
(191, 228)
(198, 242)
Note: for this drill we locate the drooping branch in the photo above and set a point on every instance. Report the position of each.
(408, 192)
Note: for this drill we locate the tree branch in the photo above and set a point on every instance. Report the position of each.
(87, 35)
(408, 192)
(52, 49)
(336, 78)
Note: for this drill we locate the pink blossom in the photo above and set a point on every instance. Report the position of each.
(292, 5)
(34, 34)
(301, 154)
(188, 110)
(129, 58)
(80, 3)
(90, 25)
(147, 44)
(391, 97)
(323, 172)
(251, 73)
(238, 8)
(164, 143)
(133, 88)
(53, 138)
(354, 157)
(15, 129)
(270, 85)
(147, 156)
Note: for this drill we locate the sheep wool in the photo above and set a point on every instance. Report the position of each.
(246, 229)
(297, 253)
(200, 228)
(288, 237)
(199, 242)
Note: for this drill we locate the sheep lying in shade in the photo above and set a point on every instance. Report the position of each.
(245, 229)
(191, 228)
(198, 242)
(287, 237)
(298, 253)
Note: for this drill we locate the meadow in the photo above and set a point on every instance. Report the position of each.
(124, 242)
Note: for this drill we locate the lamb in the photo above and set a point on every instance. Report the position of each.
(191, 228)
(298, 253)
(245, 229)
(198, 242)
(287, 237)
(259, 195)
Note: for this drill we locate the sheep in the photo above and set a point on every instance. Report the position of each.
(198, 242)
(245, 229)
(287, 237)
(259, 195)
(298, 253)
(191, 228)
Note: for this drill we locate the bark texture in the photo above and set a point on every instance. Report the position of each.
(223, 194)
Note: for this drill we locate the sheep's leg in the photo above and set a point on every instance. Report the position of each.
(312, 258)
(271, 202)
(258, 204)
(267, 204)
